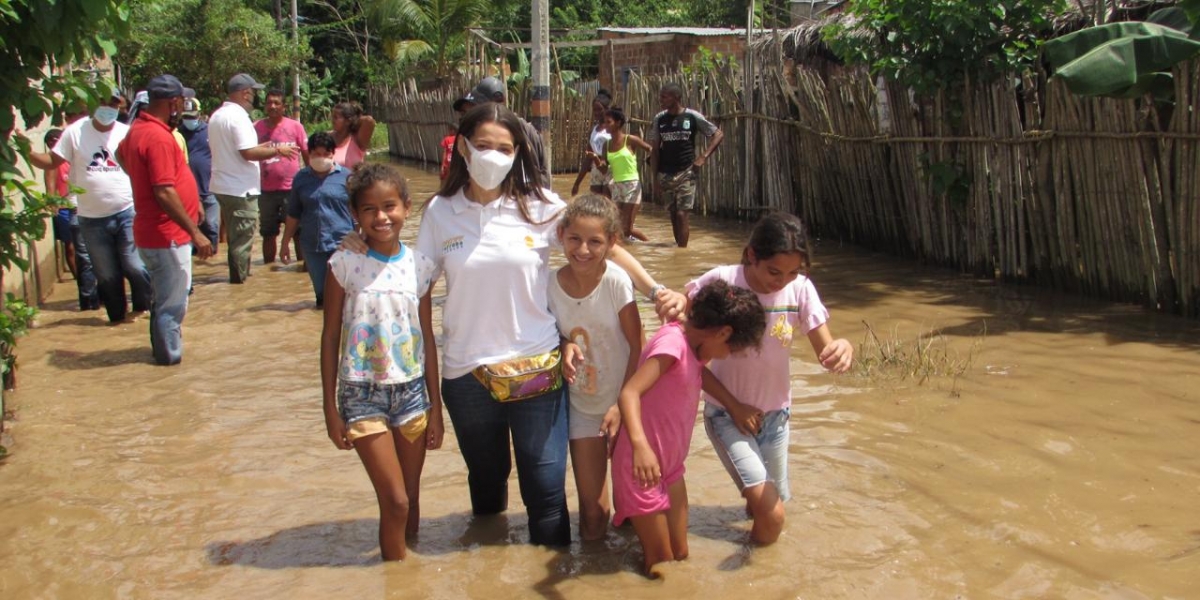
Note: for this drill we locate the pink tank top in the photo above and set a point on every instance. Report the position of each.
(348, 154)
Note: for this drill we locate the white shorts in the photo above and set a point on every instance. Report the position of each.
(626, 192)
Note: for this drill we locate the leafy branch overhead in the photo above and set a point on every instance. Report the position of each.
(933, 44)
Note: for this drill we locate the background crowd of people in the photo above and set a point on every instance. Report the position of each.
(543, 365)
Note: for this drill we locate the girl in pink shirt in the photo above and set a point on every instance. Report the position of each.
(747, 404)
(658, 410)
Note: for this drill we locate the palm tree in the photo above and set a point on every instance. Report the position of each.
(425, 31)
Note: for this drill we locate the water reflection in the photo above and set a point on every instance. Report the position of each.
(1061, 464)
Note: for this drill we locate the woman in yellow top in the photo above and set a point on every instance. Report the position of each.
(621, 165)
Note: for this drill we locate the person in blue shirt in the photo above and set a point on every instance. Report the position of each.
(195, 132)
(320, 208)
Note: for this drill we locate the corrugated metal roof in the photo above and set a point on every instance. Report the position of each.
(697, 31)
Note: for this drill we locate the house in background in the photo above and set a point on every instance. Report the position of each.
(650, 50)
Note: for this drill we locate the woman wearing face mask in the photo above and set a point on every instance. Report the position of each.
(320, 207)
(492, 234)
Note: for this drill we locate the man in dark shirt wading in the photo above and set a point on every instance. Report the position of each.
(673, 159)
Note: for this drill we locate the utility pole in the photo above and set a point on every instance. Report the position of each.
(295, 67)
(540, 111)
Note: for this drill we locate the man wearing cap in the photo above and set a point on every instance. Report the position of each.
(168, 210)
(491, 89)
(105, 211)
(235, 170)
(195, 134)
(277, 173)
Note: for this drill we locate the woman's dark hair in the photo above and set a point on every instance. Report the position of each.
(52, 134)
(673, 89)
(350, 111)
(617, 115)
(369, 174)
(521, 182)
(589, 205)
(604, 97)
(719, 304)
(778, 233)
(322, 139)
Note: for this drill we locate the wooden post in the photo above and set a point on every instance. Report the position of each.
(540, 104)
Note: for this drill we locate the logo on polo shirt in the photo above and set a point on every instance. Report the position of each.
(452, 244)
(528, 241)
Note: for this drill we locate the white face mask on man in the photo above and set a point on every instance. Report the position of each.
(488, 168)
(320, 164)
(106, 115)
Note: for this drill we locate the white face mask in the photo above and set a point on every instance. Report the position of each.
(320, 164)
(488, 168)
(106, 115)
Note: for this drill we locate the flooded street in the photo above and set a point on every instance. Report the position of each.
(1064, 462)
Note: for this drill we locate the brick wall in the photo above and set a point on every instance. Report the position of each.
(656, 57)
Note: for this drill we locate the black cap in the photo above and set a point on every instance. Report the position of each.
(164, 87)
(486, 91)
(461, 104)
(242, 81)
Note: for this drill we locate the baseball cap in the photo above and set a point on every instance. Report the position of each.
(486, 91)
(191, 107)
(164, 87)
(242, 81)
(460, 104)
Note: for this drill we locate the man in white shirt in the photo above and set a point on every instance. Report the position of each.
(105, 212)
(235, 169)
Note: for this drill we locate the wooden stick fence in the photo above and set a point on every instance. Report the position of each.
(1019, 179)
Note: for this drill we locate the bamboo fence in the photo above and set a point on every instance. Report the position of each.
(1018, 180)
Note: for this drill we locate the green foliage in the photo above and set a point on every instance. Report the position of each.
(707, 60)
(204, 42)
(427, 32)
(19, 228)
(938, 44)
(1127, 60)
(15, 320)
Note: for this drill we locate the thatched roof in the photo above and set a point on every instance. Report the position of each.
(804, 43)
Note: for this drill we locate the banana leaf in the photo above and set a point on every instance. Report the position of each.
(1119, 59)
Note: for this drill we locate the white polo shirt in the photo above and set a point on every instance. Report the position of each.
(497, 269)
(229, 132)
(93, 158)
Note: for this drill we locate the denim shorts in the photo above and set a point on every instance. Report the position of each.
(396, 404)
(751, 460)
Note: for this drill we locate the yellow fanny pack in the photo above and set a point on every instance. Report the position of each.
(522, 378)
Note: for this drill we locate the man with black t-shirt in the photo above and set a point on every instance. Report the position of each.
(673, 158)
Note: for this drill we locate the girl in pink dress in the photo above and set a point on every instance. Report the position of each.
(658, 412)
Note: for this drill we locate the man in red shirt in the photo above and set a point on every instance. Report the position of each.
(167, 205)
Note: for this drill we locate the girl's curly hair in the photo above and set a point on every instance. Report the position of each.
(719, 304)
(368, 174)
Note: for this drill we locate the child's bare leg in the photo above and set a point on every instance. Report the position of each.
(411, 453)
(766, 508)
(655, 536)
(628, 215)
(677, 519)
(378, 455)
(589, 461)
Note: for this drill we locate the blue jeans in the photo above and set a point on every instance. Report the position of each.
(210, 218)
(539, 441)
(752, 459)
(85, 276)
(171, 274)
(317, 264)
(114, 259)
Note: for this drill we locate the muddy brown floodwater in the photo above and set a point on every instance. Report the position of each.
(1063, 463)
